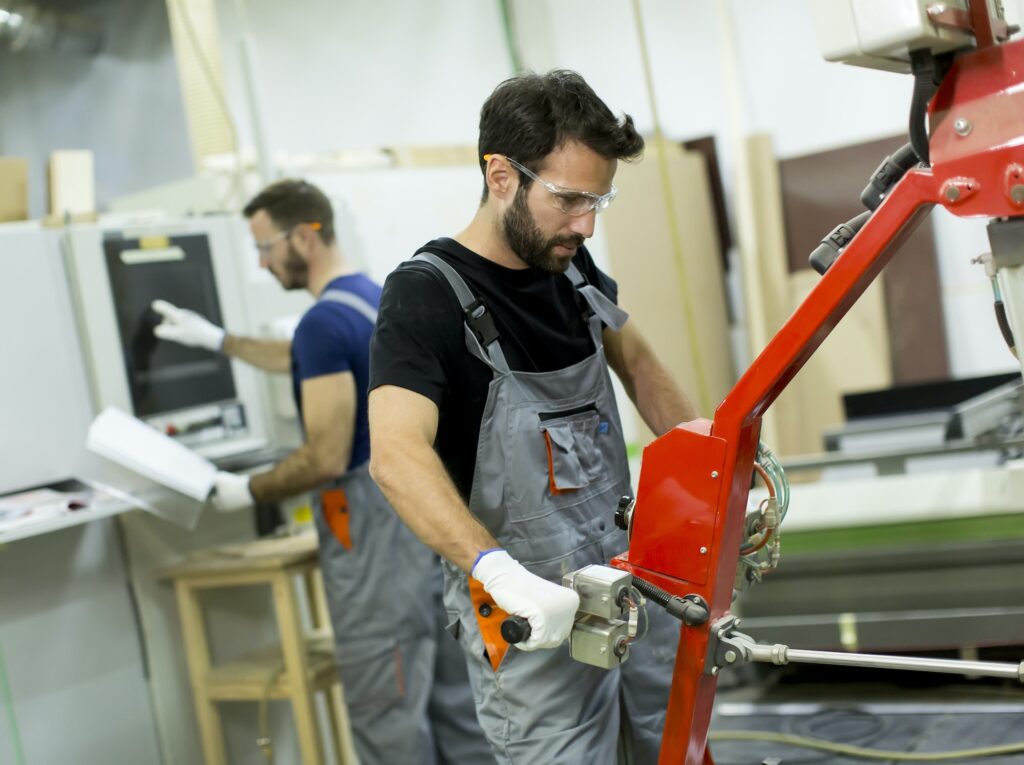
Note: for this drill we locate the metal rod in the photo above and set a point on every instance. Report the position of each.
(814, 461)
(780, 654)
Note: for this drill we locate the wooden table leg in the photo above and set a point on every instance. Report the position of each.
(197, 653)
(289, 623)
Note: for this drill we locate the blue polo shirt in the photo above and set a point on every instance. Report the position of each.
(334, 337)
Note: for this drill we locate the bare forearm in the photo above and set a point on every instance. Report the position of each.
(416, 484)
(660, 401)
(269, 355)
(298, 472)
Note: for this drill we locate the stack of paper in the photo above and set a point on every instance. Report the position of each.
(133, 444)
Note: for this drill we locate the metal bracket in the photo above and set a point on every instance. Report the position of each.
(727, 647)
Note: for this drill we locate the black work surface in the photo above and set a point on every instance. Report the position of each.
(896, 711)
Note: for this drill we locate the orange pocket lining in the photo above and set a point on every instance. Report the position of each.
(551, 468)
(336, 514)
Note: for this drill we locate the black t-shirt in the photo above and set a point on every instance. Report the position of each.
(419, 342)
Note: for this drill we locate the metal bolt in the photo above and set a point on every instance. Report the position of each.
(952, 193)
(1017, 193)
(736, 623)
(703, 551)
(962, 126)
(714, 474)
(485, 610)
(730, 656)
(714, 671)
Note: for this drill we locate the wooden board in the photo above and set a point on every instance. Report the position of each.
(651, 287)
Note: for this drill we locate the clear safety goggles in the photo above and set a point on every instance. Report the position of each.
(570, 201)
(265, 247)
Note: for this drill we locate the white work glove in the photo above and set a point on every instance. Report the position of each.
(550, 608)
(231, 492)
(186, 327)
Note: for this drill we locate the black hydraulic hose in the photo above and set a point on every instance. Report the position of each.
(1004, 326)
(887, 175)
(691, 610)
(826, 253)
(922, 63)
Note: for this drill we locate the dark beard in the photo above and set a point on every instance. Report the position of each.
(296, 270)
(526, 240)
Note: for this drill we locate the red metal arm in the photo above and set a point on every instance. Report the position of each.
(690, 506)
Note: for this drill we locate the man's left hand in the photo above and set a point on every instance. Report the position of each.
(231, 492)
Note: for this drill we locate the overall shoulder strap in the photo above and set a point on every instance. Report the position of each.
(599, 303)
(353, 301)
(482, 337)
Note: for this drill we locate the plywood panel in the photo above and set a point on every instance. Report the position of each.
(651, 288)
(13, 189)
(854, 357)
(822, 190)
(766, 287)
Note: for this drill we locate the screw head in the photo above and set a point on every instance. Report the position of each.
(714, 671)
(485, 610)
(703, 550)
(962, 126)
(714, 474)
(952, 193)
(1017, 193)
(730, 656)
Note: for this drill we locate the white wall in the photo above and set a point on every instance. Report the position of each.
(349, 75)
(403, 72)
(124, 104)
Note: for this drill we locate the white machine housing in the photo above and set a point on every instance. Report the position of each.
(216, 428)
(879, 34)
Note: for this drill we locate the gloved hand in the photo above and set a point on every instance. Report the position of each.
(550, 608)
(231, 492)
(186, 327)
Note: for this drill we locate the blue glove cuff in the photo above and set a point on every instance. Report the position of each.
(483, 553)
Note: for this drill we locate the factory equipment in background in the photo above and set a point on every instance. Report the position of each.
(690, 527)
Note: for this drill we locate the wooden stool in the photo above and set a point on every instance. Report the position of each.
(301, 667)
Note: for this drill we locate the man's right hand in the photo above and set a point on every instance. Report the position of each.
(181, 325)
(550, 608)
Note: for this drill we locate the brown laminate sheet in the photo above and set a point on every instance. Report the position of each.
(821, 190)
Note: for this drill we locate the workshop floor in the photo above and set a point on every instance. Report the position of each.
(895, 711)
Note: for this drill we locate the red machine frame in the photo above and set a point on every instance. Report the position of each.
(688, 520)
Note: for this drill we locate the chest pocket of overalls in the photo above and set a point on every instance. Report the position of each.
(570, 440)
(556, 459)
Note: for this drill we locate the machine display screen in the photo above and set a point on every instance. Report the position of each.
(166, 376)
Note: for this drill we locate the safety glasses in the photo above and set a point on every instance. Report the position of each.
(266, 246)
(569, 201)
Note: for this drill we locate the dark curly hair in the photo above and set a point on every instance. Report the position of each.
(291, 202)
(531, 115)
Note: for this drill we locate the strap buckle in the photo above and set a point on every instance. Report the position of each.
(481, 322)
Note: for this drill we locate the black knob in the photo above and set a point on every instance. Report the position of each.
(515, 629)
(620, 513)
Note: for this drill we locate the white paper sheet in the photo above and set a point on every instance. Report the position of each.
(129, 442)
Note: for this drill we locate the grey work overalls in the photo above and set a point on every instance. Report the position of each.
(550, 467)
(406, 688)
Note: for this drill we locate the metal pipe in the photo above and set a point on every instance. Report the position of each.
(780, 654)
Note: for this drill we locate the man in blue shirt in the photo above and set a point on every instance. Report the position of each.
(405, 680)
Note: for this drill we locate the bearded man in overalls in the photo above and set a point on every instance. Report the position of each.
(496, 431)
(405, 684)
